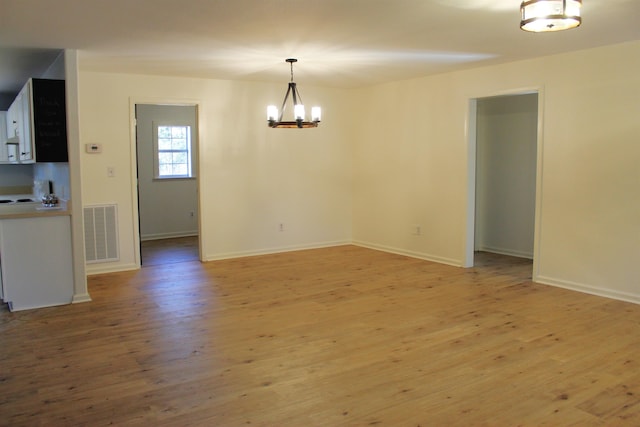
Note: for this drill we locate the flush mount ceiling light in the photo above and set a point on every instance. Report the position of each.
(550, 15)
(275, 120)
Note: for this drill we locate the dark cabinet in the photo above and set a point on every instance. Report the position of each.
(49, 120)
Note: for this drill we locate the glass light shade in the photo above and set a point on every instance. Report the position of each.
(298, 111)
(550, 15)
(272, 113)
(316, 114)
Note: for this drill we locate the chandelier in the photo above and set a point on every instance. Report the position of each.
(275, 120)
(550, 15)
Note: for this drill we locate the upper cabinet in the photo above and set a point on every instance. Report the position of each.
(3, 137)
(49, 125)
(37, 123)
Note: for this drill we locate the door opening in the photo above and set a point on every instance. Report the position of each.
(503, 175)
(167, 183)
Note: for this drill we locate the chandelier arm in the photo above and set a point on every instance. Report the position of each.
(296, 95)
(284, 102)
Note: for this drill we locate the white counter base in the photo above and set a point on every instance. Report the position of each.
(36, 262)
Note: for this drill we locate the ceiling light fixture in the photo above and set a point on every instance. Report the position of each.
(550, 15)
(275, 120)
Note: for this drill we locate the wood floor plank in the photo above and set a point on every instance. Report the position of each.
(342, 336)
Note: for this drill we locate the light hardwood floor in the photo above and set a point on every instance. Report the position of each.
(166, 251)
(342, 336)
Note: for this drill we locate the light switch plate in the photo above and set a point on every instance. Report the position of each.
(93, 148)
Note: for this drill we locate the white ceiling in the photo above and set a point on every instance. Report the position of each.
(340, 43)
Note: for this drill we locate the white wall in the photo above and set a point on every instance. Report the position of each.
(413, 161)
(16, 175)
(57, 68)
(410, 169)
(506, 149)
(252, 178)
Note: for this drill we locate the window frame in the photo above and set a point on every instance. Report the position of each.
(190, 151)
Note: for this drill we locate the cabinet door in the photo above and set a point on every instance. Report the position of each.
(3, 137)
(26, 123)
(49, 131)
(13, 125)
(12, 118)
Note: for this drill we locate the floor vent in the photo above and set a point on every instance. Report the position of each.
(100, 233)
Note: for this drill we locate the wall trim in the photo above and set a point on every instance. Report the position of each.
(79, 298)
(587, 289)
(412, 254)
(508, 252)
(93, 269)
(176, 234)
(275, 250)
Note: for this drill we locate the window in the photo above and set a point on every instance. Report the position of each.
(173, 157)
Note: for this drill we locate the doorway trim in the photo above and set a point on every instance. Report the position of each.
(471, 127)
(133, 101)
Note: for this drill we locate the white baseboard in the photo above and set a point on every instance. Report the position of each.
(173, 235)
(587, 289)
(78, 298)
(508, 252)
(93, 269)
(274, 250)
(419, 255)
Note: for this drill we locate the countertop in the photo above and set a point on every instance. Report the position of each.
(32, 210)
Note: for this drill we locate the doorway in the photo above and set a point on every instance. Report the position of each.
(503, 171)
(167, 184)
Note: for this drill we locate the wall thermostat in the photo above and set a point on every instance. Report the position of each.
(93, 148)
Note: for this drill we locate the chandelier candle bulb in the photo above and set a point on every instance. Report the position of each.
(298, 111)
(316, 114)
(272, 113)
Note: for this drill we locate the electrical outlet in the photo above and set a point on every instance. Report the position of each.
(281, 226)
(416, 230)
(192, 214)
(111, 171)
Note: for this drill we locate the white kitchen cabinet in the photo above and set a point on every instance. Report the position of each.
(3, 137)
(15, 109)
(25, 149)
(19, 124)
(36, 262)
(13, 129)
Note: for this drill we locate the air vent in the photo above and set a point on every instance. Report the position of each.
(100, 234)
